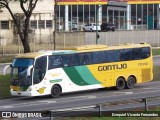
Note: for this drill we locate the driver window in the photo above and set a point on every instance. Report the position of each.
(40, 69)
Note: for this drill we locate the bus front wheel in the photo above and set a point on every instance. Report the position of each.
(120, 84)
(130, 83)
(55, 91)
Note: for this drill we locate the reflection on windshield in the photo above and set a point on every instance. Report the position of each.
(19, 72)
(22, 62)
(19, 77)
(39, 69)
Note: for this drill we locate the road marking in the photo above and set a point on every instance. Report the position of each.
(90, 97)
(8, 106)
(125, 92)
(47, 102)
(152, 88)
(51, 101)
(27, 104)
(76, 108)
(78, 98)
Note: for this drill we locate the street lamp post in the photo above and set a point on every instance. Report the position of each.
(97, 35)
(55, 24)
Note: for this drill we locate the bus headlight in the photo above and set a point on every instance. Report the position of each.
(29, 89)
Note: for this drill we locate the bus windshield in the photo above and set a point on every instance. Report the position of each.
(19, 72)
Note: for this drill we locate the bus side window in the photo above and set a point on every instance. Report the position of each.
(65, 61)
(55, 61)
(115, 56)
(81, 59)
(137, 53)
(109, 56)
(84, 58)
(69, 60)
(145, 52)
(88, 58)
(40, 69)
(76, 59)
(99, 57)
(126, 54)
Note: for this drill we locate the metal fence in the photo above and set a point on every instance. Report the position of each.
(103, 109)
(122, 37)
(12, 45)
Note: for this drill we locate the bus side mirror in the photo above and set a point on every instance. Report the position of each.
(11, 65)
(29, 71)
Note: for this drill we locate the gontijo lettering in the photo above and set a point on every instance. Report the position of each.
(112, 67)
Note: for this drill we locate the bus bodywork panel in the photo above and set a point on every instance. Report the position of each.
(108, 73)
(84, 76)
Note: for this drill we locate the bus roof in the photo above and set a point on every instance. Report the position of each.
(30, 55)
(84, 48)
(104, 47)
(44, 52)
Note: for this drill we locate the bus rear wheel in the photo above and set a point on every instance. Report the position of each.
(130, 83)
(55, 91)
(120, 84)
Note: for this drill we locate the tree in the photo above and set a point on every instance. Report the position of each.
(27, 7)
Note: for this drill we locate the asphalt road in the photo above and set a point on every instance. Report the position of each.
(2, 66)
(84, 98)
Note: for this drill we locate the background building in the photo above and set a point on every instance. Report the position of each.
(41, 22)
(139, 14)
(72, 15)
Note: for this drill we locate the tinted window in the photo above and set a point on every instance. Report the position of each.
(77, 59)
(113, 56)
(41, 63)
(99, 57)
(145, 52)
(85, 58)
(70, 60)
(126, 54)
(40, 69)
(109, 56)
(55, 61)
(137, 53)
(141, 53)
(20, 62)
(88, 58)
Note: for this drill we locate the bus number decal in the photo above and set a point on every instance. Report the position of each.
(112, 67)
(142, 64)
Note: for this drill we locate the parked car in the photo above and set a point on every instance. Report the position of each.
(91, 27)
(107, 27)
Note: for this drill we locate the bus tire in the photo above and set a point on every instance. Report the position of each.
(130, 82)
(55, 91)
(120, 84)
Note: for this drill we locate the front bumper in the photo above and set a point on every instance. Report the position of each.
(23, 93)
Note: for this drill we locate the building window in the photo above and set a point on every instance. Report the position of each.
(48, 23)
(4, 24)
(41, 24)
(33, 24)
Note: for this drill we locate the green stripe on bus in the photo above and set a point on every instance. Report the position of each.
(74, 76)
(80, 75)
(86, 75)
